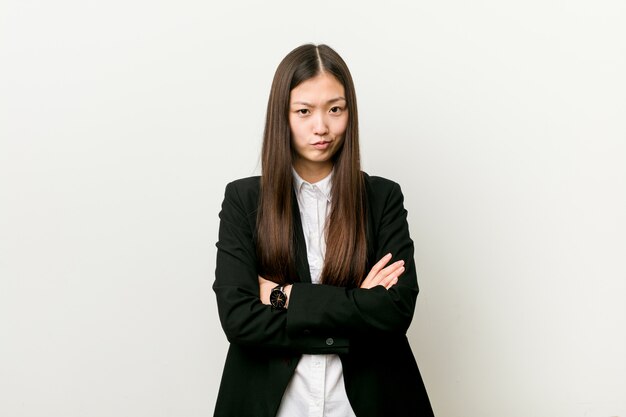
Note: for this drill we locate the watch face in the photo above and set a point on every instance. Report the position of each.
(278, 299)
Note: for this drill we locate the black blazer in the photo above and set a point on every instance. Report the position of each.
(366, 327)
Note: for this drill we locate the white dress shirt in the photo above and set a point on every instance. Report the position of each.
(316, 388)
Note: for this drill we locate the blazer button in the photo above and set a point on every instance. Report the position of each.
(330, 341)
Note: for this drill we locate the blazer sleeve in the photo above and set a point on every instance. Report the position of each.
(363, 312)
(245, 320)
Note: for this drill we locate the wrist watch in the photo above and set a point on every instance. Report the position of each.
(278, 298)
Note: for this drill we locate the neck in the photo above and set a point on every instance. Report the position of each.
(313, 173)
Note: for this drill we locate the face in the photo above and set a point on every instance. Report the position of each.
(318, 117)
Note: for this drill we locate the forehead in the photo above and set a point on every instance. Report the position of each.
(321, 88)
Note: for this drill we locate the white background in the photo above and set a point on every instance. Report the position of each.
(122, 121)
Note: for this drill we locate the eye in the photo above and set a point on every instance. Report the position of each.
(303, 112)
(335, 110)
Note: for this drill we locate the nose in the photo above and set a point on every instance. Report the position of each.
(320, 126)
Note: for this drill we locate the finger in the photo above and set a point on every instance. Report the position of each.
(377, 268)
(393, 282)
(391, 272)
(393, 267)
(388, 272)
(392, 279)
(385, 272)
(380, 264)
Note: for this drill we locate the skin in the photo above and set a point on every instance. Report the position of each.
(318, 118)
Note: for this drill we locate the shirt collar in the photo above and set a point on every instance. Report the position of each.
(324, 185)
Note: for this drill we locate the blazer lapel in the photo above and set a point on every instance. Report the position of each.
(302, 263)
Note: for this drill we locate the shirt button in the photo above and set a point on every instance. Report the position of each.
(330, 341)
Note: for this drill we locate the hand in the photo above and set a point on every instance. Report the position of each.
(266, 287)
(379, 275)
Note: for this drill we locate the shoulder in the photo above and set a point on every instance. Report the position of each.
(379, 187)
(244, 184)
(244, 190)
(383, 196)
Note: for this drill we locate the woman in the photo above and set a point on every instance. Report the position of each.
(314, 310)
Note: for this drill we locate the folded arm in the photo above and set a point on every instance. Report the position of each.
(320, 318)
(361, 311)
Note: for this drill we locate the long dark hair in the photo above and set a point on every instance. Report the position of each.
(346, 246)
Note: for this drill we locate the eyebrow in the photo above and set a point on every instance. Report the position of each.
(333, 100)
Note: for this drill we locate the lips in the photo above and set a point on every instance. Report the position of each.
(322, 144)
